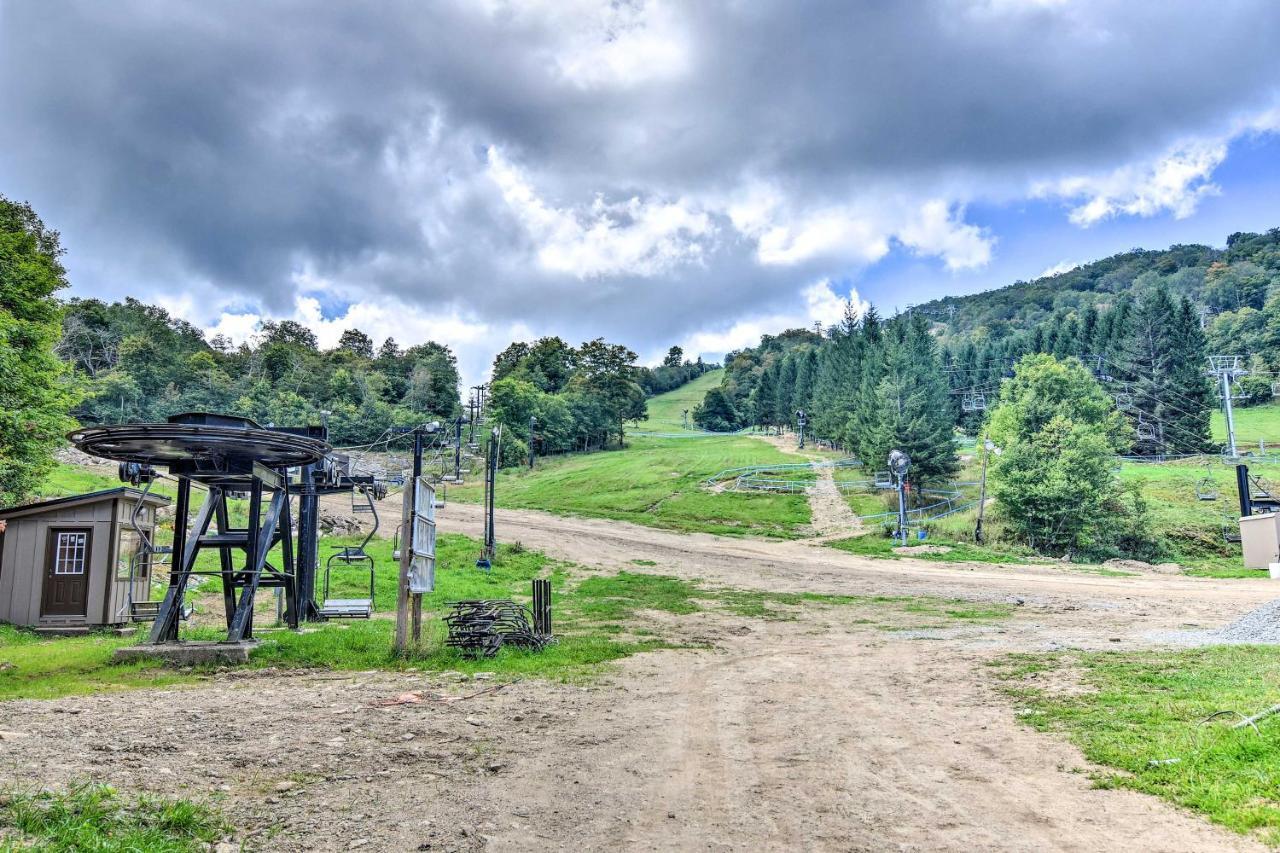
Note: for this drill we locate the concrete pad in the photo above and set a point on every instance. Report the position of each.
(188, 654)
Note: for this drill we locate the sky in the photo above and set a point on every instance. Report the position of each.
(654, 173)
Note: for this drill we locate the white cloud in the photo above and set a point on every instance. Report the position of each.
(1175, 182)
(1058, 269)
(821, 305)
(937, 230)
(635, 237)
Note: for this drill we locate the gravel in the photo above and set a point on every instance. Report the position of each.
(1261, 625)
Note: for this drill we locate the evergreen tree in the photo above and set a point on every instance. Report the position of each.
(911, 410)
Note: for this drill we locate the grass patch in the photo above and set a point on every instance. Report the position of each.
(35, 667)
(94, 817)
(1135, 708)
(657, 482)
(877, 545)
(665, 410)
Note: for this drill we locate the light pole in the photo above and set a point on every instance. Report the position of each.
(988, 447)
(899, 462)
(801, 420)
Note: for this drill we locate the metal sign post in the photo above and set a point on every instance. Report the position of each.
(801, 421)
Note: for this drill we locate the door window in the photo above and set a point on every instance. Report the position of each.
(71, 552)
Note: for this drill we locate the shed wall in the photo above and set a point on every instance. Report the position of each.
(25, 549)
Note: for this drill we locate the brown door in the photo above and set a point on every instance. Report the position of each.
(66, 573)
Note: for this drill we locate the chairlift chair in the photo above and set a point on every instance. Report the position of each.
(1146, 432)
(973, 401)
(1206, 489)
(352, 555)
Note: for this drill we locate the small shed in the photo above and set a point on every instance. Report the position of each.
(65, 563)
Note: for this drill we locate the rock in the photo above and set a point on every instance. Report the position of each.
(482, 676)
(281, 787)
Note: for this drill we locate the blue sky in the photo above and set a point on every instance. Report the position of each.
(654, 172)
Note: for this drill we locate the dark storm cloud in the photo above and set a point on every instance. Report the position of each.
(221, 149)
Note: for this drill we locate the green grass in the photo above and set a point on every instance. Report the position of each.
(94, 817)
(1253, 423)
(665, 409)
(657, 482)
(877, 545)
(1143, 707)
(1192, 528)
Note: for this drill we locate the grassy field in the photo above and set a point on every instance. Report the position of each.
(1253, 423)
(1149, 716)
(1191, 527)
(665, 409)
(656, 482)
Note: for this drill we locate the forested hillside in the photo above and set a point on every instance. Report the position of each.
(1143, 322)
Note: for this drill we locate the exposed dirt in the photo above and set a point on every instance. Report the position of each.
(832, 516)
(827, 732)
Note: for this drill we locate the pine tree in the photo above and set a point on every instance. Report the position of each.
(910, 410)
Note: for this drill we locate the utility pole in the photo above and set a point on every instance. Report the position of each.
(988, 446)
(406, 554)
(1226, 369)
(801, 421)
(533, 424)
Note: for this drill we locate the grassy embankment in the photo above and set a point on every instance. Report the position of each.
(665, 410)
(1149, 718)
(657, 481)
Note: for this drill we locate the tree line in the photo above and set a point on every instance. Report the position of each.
(580, 398)
(868, 384)
(135, 362)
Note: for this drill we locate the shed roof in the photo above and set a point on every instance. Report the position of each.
(76, 500)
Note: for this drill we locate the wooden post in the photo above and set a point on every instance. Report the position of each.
(406, 556)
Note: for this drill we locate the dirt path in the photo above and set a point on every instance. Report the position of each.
(832, 516)
(823, 733)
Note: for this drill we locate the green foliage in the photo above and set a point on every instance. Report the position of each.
(90, 816)
(35, 394)
(903, 404)
(1059, 432)
(716, 412)
(580, 397)
(138, 363)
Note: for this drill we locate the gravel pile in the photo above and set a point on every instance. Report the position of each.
(1257, 626)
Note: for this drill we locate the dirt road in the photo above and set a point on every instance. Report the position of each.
(822, 733)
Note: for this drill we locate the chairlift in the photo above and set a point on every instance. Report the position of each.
(1146, 432)
(1206, 489)
(1230, 530)
(354, 555)
(973, 401)
(1124, 401)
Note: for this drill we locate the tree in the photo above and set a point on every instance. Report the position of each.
(674, 357)
(716, 412)
(35, 394)
(1059, 431)
(908, 404)
(357, 342)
